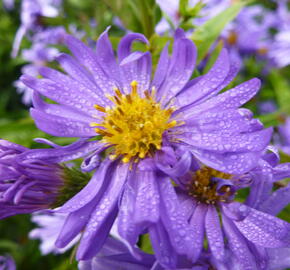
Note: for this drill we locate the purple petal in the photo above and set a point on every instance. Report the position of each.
(64, 111)
(238, 245)
(61, 153)
(136, 67)
(179, 169)
(197, 224)
(124, 48)
(61, 126)
(126, 226)
(233, 163)
(88, 58)
(276, 202)
(163, 249)
(96, 186)
(228, 121)
(79, 73)
(181, 235)
(230, 99)
(74, 224)
(221, 142)
(208, 83)
(106, 55)
(180, 69)
(147, 199)
(103, 216)
(162, 68)
(96, 229)
(214, 233)
(263, 229)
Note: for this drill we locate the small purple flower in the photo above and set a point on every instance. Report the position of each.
(26, 184)
(208, 195)
(250, 31)
(142, 122)
(7, 263)
(31, 11)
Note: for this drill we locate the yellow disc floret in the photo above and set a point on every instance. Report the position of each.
(205, 190)
(135, 125)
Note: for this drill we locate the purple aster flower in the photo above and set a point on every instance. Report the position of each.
(250, 32)
(7, 263)
(138, 119)
(208, 197)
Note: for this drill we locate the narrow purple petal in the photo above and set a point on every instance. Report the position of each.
(214, 233)
(179, 71)
(162, 68)
(263, 229)
(106, 56)
(219, 141)
(233, 163)
(238, 245)
(96, 229)
(136, 67)
(95, 186)
(88, 58)
(61, 126)
(276, 202)
(208, 83)
(124, 48)
(230, 99)
(147, 199)
(180, 233)
(103, 215)
(163, 249)
(197, 223)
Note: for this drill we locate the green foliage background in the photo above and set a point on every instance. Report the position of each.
(135, 15)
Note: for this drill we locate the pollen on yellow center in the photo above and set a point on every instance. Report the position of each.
(135, 125)
(204, 189)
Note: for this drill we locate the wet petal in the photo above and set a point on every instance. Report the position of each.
(197, 223)
(208, 82)
(214, 233)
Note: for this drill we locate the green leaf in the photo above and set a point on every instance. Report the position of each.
(213, 56)
(281, 88)
(207, 34)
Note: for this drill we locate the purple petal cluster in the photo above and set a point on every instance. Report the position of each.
(26, 184)
(201, 124)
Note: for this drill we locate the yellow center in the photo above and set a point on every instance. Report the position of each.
(135, 125)
(205, 190)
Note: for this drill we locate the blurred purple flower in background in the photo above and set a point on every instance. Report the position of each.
(7, 263)
(49, 225)
(31, 13)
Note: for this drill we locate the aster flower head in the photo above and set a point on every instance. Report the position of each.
(27, 184)
(143, 123)
(238, 233)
